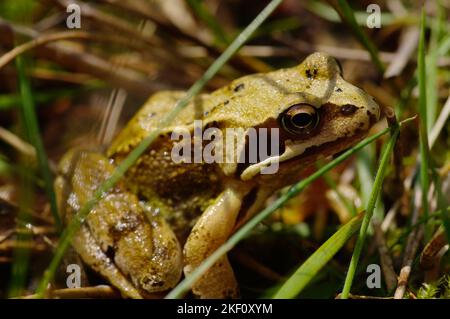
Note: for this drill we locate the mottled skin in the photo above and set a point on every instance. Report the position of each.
(198, 206)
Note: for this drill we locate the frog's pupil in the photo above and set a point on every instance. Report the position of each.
(301, 119)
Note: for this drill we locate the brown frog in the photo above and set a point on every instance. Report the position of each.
(166, 216)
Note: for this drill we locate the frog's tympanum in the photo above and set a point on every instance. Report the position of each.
(166, 217)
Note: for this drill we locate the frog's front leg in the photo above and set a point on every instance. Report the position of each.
(212, 229)
(136, 252)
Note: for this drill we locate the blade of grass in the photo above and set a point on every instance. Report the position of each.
(72, 228)
(423, 131)
(443, 206)
(21, 253)
(442, 199)
(310, 268)
(347, 14)
(42, 40)
(439, 44)
(432, 67)
(32, 128)
(378, 184)
(187, 283)
(17, 143)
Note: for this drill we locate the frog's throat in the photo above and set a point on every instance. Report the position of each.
(298, 151)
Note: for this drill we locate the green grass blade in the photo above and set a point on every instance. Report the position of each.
(21, 254)
(349, 17)
(187, 283)
(32, 128)
(72, 228)
(432, 68)
(378, 184)
(423, 131)
(309, 269)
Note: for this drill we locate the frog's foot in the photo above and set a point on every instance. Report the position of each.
(212, 229)
(134, 251)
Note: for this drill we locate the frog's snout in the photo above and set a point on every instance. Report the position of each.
(373, 110)
(367, 104)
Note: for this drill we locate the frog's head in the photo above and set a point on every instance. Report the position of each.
(317, 114)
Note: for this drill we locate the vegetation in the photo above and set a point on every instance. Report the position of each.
(385, 201)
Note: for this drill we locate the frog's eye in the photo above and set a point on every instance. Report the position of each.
(300, 119)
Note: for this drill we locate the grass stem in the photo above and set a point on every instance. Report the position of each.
(369, 212)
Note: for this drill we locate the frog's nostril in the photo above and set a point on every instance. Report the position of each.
(348, 109)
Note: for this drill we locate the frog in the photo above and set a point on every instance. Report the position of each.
(164, 217)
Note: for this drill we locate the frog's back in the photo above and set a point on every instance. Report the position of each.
(180, 191)
(148, 117)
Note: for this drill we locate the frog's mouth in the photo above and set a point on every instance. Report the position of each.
(300, 155)
(295, 153)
